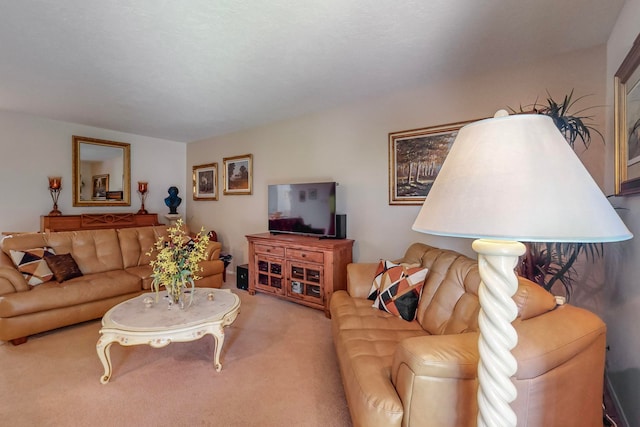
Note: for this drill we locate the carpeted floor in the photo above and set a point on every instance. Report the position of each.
(279, 369)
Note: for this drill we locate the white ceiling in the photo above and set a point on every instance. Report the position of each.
(191, 69)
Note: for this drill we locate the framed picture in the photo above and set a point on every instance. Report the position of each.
(313, 194)
(100, 186)
(415, 158)
(205, 182)
(627, 123)
(238, 174)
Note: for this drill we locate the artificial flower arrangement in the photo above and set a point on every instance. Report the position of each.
(176, 265)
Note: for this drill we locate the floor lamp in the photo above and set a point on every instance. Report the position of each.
(506, 180)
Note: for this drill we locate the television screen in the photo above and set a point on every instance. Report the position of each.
(303, 208)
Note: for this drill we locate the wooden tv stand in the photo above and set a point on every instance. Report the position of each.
(303, 269)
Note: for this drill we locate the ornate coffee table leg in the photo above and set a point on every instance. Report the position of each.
(218, 336)
(103, 348)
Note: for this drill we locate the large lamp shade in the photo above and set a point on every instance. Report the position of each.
(517, 178)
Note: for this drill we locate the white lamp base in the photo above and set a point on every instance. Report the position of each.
(496, 262)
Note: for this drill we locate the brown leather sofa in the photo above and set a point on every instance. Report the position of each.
(423, 372)
(115, 267)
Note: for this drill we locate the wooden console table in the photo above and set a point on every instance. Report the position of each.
(302, 269)
(96, 221)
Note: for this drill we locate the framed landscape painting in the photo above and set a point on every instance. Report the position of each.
(415, 158)
(205, 182)
(627, 123)
(238, 174)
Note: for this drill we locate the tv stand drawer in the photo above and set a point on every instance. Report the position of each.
(269, 250)
(302, 255)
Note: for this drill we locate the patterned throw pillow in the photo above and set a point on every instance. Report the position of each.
(375, 286)
(31, 263)
(64, 267)
(400, 290)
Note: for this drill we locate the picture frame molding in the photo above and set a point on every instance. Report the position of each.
(394, 137)
(624, 183)
(197, 193)
(248, 188)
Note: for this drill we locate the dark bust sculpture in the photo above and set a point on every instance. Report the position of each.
(173, 201)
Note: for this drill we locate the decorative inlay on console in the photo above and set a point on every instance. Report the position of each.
(114, 219)
(96, 221)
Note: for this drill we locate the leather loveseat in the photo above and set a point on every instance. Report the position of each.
(114, 266)
(424, 372)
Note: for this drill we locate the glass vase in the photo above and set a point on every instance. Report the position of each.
(176, 296)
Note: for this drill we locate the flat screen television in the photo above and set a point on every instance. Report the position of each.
(308, 209)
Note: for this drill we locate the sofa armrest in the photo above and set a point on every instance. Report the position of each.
(213, 251)
(359, 278)
(552, 340)
(431, 372)
(11, 280)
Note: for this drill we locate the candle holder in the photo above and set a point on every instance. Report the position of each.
(142, 192)
(55, 185)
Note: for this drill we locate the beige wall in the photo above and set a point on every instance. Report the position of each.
(349, 145)
(33, 148)
(623, 284)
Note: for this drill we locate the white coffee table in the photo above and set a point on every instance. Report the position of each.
(133, 323)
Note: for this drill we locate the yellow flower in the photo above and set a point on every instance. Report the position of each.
(176, 264)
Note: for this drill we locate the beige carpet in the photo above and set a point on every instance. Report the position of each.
(279, 369)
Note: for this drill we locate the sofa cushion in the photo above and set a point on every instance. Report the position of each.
(137, 242)
(144, 272)
(365, 357)
(357, 313)
(400, 290)
(51, 295)
(63, 267)
(95, 251)
(31, 263)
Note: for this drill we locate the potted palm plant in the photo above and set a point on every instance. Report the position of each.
(548, 263)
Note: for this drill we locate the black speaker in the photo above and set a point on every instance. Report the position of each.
(242, 276)
(341, 226)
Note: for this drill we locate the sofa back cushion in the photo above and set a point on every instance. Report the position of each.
(137, 242)
(449, 303)
(95, 251)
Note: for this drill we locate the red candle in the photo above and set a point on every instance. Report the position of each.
(55, 182)
(142, 186)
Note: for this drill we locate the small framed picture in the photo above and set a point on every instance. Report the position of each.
(100, 187)
(205, 182)
(238, 174)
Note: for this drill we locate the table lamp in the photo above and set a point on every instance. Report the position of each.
(507, 180)
(55, 185)
(143, 188)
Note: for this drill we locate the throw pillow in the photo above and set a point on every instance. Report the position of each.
(31, 263)
(383, 267)
(400, 290)
(375, 286)
(64, 267)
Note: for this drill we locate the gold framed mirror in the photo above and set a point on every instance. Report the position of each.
(101, 172)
